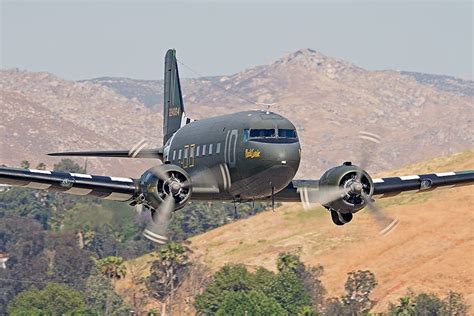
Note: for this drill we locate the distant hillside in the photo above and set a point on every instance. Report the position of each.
(42, 113)
(431, 250)
(328, 99)
(445, 83)
(150, 92)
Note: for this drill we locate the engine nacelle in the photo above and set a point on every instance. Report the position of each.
(354, 181)
(159, 182)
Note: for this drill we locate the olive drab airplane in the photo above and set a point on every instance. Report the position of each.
(245, 156)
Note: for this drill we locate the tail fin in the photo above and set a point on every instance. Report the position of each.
(173, 108)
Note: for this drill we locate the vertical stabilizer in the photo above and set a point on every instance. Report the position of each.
(173, 107)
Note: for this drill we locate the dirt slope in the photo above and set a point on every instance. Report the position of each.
(431, 250)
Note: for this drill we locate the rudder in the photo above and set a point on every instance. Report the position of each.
(173, 107)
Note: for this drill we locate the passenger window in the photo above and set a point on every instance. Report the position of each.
(203, 150)
(174, 154)
(179, 154)
(197, 150)
(191, 155)
(186, 155)
(210, 149)
(218, 148)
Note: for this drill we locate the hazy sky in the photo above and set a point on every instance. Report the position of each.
(85, 39)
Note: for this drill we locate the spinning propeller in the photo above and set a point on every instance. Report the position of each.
(346, 189)
(166, 188)
(370, 143)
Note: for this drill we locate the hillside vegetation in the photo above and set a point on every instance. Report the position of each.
(431, 250)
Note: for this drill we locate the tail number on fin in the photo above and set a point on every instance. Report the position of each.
(174, 111)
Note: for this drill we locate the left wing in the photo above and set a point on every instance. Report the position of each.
(110, 188)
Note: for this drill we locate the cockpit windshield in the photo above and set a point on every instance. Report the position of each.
(268, 133)
(288, 133)
(257, 133)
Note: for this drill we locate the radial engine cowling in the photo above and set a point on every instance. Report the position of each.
(159, 182)
(353, 182)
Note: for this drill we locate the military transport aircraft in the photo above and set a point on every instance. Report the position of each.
(245, 156)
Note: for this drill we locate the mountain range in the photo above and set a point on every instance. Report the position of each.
(330, 100)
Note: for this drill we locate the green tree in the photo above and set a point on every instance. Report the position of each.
(288, 262)
(309, 276)
(428, 304)
(23, 240)
(41, 166)
(334, 306)
(112, 267)
(359, 286)
(251, 303)
(454, 304)
(25, 164)
(405, 307)
(67, 263)
(308, 311)
(288, 290)
(68, 165)
(54, 299)
(100, 295)
(230, 278)
(168, 272)
(26, 203)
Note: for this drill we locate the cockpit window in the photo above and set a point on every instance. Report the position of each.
(258, 133)
(288, 133)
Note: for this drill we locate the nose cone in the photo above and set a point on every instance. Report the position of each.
(268, 165)
(280, 154)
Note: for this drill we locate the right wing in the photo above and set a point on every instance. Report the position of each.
(104, 187)
(301, 190)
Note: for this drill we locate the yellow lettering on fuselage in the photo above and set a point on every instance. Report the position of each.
(252, 153)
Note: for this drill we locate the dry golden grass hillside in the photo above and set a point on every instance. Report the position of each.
(431, 250)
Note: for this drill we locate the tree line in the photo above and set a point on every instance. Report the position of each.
(295, 289)
(67, 252)
(54, 238)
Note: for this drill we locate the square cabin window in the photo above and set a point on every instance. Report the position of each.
(179, 154)
(218, 148)
(203, 150)
(210, 149)
(197, 150)
(174, 154)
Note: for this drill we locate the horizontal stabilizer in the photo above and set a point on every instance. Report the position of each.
(144, 153)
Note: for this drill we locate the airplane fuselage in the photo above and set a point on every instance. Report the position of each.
(248, 153)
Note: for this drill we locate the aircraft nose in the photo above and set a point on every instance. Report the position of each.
(284, 154)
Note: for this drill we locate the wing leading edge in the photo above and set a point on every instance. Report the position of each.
(111, 188)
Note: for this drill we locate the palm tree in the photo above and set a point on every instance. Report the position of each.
(112, 267)
(288, 262)
(174, 262)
